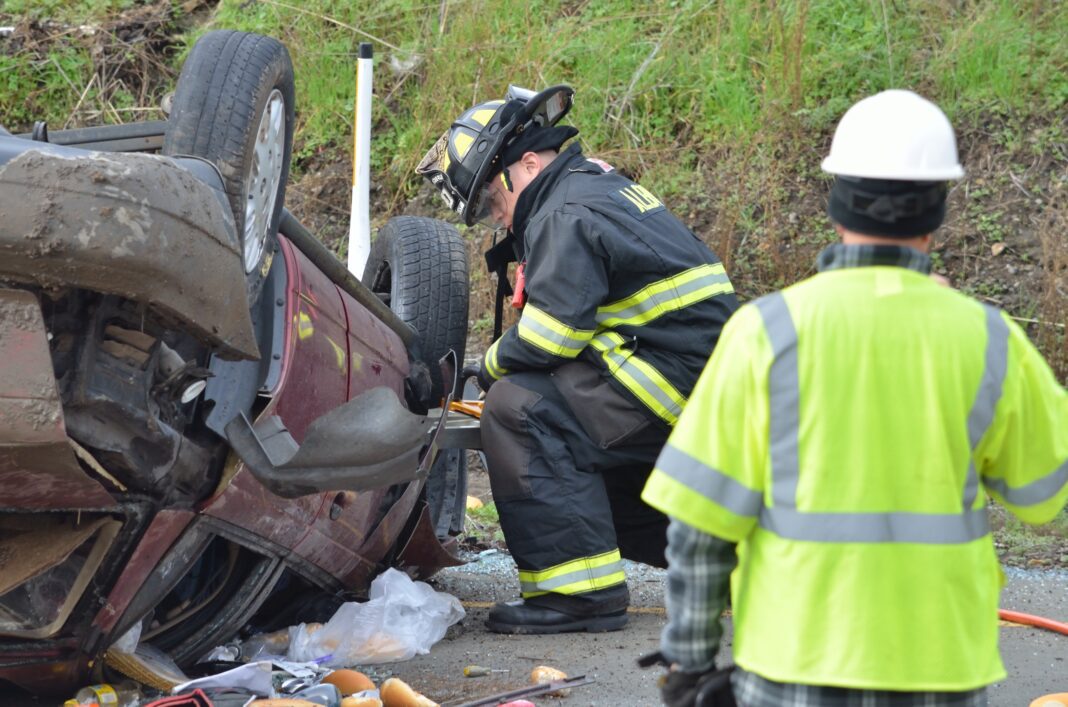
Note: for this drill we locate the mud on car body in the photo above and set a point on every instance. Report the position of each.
(202, 414)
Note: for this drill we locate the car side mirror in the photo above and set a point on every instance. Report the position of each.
(369, 442)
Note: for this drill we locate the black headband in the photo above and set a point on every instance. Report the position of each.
(887, 207)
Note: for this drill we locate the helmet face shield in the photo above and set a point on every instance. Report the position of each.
(482, 206)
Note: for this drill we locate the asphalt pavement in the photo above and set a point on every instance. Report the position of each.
(1036, 660)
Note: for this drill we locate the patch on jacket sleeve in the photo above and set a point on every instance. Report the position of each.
(638, 201)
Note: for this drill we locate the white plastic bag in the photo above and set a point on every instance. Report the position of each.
(128, 642)
(402, 619)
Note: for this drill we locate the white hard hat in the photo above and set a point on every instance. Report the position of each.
(894, 135)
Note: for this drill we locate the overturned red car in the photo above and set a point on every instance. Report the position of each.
(203, 415)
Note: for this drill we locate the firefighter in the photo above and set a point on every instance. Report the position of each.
(621, 307)
(881, 409)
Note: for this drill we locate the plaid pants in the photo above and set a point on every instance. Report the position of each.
(751, 690)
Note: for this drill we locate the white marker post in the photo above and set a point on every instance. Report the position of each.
(360, 216)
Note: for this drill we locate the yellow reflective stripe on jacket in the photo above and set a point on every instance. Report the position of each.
(640, 377)
(585, 574)
(665, 296)
(492, 368)
(549, 334)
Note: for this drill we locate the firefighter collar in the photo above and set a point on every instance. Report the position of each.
(538, 190)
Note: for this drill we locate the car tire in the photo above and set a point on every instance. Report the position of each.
(234, 106)
(418, 266)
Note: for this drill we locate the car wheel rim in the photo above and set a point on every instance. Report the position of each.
(263, 179)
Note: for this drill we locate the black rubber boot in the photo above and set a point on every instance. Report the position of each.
(594, 612)
(521, 617)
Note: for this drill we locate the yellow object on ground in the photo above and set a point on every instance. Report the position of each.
(1058, 700)
(474, 502)
(544, 674)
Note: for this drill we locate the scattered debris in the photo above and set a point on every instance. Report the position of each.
(349, 682)
(513, 697)
(397, 693)
(544, 675)
(478, 671)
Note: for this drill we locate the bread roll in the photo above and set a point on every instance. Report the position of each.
(361, 702)
(349, 682)
(396, 693)
(544, 674)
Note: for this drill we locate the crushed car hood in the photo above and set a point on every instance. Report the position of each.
(136, 226)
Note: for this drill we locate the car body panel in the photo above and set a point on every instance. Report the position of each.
(326, 362)
(38, 468)
(161, 534)
(129, 225)
(317, 378)
(311, 383)
(377, 356)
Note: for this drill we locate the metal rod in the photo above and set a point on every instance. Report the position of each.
(145, 136)
(528, 691)
(360, 212)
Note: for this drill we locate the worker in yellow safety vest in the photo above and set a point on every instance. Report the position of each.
(837, 453)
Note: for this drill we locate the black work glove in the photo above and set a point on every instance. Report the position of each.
(474, 370)
(711, 688)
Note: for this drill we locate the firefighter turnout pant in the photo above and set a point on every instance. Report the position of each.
(568, 456)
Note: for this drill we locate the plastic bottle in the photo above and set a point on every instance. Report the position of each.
(125, 694)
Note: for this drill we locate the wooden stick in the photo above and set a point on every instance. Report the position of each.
(1036, 321)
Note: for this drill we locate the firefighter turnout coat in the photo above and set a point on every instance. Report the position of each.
(614, 279)
(624, 304)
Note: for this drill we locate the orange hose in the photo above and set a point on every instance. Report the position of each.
(1030, 620)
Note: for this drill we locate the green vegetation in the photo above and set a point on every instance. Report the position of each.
(656, 80)
(1022, 545)
(724, 108)
(483, 526)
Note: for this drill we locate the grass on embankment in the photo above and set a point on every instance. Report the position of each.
(725, 108)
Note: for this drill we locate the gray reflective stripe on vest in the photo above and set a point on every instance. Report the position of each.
(986, 400)
(584, 574)
(925, 528)
(1038, 491)
(709, 482)
(784, 393)
(785, 520)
